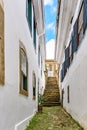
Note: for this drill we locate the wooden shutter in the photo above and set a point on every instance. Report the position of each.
(85, 16)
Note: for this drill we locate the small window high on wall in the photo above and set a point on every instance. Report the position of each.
(34, 85)
(23, 72)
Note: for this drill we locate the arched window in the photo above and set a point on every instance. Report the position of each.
(34, 85)
(23, 72)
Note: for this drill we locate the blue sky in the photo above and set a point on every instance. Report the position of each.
(50, 18)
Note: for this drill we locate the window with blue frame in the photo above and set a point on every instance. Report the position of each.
(79, 29)
(34, 85)
(84, 15)
(68, 94)
(39, 55)
(29, 13)
(34, 33)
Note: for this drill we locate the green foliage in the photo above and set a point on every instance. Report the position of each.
(41, 99)
(53, 118)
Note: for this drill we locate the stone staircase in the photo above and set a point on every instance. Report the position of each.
(51, 93)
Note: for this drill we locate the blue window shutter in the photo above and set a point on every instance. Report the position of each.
(63, 70)
(72, 44)
(75, 37)
(66, 53)
(27, 9)
(34, 33)
(67, 57)
(61, 75)
(39, 55)
(29, 13)
(85, 16)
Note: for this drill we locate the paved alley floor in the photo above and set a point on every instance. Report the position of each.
(53, 118)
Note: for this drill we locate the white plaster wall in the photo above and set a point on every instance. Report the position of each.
(41, 78)
(76, 78)
(16, 109)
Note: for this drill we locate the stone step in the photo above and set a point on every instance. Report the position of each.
(51, 91)
(52, 95)
(52, 83)
(49, 104)
(52, 99)
(52, 87)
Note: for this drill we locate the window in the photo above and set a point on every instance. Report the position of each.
(34, 85)
(84, 15)
(34, 34)
(76, 37)
(68, 94)
(23, 72)
(2, 67)
(29, 13)
(80, 25)
(70, 53)
(39, 55)
(66, 58)
(41, 66)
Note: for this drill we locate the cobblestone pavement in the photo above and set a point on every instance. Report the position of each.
(53, 118)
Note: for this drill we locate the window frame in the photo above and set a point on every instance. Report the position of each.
(34, 85)
(21, 88)
(29, 16)
(68, 94)
(80, 29)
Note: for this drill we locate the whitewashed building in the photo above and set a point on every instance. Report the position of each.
(21, 34)
(71, 53)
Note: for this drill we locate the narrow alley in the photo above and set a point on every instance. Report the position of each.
(53, 118)
(43, 64)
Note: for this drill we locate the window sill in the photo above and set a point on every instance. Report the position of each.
(34, 97)
(23, 92)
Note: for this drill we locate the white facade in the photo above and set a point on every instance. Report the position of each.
(74, 85)
(17, 109)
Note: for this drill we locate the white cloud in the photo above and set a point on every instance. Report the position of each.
(48, 2)
(54, 9)
(51, 26)
(50, 48)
